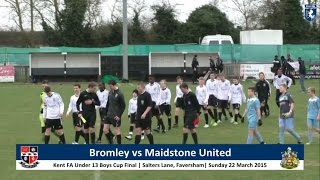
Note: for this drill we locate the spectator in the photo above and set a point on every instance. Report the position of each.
(195, 65)
(289, 69)
(276, 65)
(216, 64)
(302, 72)
(289, 58)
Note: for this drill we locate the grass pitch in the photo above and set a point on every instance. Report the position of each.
(20, 124)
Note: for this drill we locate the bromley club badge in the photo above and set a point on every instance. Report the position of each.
(29, 156)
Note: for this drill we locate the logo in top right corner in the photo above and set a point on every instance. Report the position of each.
(310, 12)
(290, 159)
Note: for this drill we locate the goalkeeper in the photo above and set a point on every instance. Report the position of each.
(286, 119)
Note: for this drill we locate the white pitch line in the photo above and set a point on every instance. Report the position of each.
(97, 175)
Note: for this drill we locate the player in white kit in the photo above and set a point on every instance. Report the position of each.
(201, 93)
(236, 97)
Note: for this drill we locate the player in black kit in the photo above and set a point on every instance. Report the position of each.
(263, 90)
(143, 118)
(192, 110)
(88, 99)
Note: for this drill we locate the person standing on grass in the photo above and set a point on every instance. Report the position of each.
(211, 99)
(115, 106)
(88, 99)
(132, 111)
(277, 81)
(143, 117)
(302, 73)
(223, 97)
(52, 113)
(264, 91)
(77, 123)
(44, 84)
(313, 115)
(153, 88)
(102, 94)
(201, 93)
(178, 100)
(253, 116)
(286, 118)
(164, 101)
(192, 111)
(236, 96)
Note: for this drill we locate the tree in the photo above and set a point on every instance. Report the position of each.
(165, 25)
(208, 20)
(136, 34)
(249, 10)
(288, 16)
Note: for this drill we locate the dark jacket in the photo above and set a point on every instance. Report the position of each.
(195, 64)
(302, 68)
(276, 65)
(216, 67)
(116, 104)
(85, 95)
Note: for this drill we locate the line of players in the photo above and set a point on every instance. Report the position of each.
(213, 96)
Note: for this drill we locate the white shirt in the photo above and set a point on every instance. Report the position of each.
(132, 106)
(223, 90)
(282, 80)
(212, 88)
(201, 93)
(153, 90)
(103, 98)
(53, 106)
(73, 104)
(236, 94)
(164, 97)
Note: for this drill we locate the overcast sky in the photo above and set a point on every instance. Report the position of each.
(183, 8)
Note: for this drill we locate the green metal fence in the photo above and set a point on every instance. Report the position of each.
(229, 53)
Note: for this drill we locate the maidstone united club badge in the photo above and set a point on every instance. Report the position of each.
(290, 159)
(310, 12)
(29, 156)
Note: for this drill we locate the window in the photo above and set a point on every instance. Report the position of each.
(225, 42)
(213, 42)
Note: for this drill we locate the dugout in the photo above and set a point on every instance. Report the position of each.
(71, 63)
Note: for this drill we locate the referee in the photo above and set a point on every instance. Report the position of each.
(192, 111)
(88, 99)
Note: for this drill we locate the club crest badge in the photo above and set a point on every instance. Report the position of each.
(29, 156)
(310, 12)
(290, 159)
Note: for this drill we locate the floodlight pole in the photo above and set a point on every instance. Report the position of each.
(125, 41)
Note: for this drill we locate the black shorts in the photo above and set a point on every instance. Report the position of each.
(90, 120)
(263, 100)
(179, 102)
(54, 123)
(223, 104)
(102, 113)
(236, 106)
(76, 120)
(112, 121)
(212, 101)
(165, 109)
(189, 121)
(155, 109)
(132, 118)
(144, 124)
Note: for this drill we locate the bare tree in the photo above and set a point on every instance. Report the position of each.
(93, 14)
(16, 7)
(248, 9)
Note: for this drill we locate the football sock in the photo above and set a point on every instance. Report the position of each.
(210, 113)
(77, 136)
(258, 136)
(195, 138)
(176, 119)
(43, 129)
(206, 117)
(220, 114)
(230, 114)
(150, 138)
(62, 139)
(185, 138)
(249, 139)
(93, 137)
(131, 129)
(236, 117)
(137, 139)
(100, 132)
(86, 137)
(216, 115)
(169, 122)
(46, 139)
(119, 139)
(109, 138)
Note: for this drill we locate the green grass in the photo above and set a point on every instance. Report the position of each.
(20, 124)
